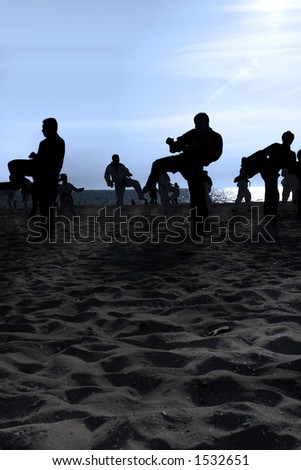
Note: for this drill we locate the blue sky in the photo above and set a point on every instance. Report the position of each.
(121, 76)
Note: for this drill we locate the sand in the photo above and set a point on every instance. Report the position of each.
(153, 345)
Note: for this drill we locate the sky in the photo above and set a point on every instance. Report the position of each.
(121, 76)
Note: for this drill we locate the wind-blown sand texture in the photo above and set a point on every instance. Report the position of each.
(150, 346)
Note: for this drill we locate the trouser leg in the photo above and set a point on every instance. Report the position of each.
(18, 169)
(34, 199)
(130, 183)
(119, 191)
(299, 205)
(199, 209)
(164, 199)
(271, 199)
(285, 193)
(248, 199)
(45, 197)
(160, 166)
(238, 200)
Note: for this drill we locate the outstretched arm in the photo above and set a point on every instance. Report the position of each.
(77, 190)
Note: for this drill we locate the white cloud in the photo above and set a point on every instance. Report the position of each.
(264, 6)
(245, 57)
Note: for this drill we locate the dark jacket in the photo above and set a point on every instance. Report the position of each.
(269, 161)
(200, 147)
(49, 159)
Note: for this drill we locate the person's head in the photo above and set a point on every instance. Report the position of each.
(288, 138)
(64, 178)
(299, 155)
(115, 161)
(201, 121)
(115, 158)
(49, 127)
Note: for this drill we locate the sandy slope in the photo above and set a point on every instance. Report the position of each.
(151, 345)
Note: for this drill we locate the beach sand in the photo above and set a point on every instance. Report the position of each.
(157, 345)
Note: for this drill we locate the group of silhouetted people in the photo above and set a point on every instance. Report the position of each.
(195, 149)
(201, 146)
(192, 151)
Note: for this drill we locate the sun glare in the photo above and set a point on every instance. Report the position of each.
(271, 5)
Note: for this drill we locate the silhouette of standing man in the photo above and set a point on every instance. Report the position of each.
(199, 147)
(44, 167)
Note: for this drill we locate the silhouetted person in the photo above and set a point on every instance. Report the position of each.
(35, 200)
(26, 192)
(117, 174)
(198, 148)
(44, 167)
(163, 190)
(268, 162)
(242, 182)
(153, 194)
(298, 174)
(290, 184)
(65, 192)
(175, 193)
(208, 187)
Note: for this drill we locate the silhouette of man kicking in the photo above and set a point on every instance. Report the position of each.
(268, 162)
(44, 167)
(198, 148)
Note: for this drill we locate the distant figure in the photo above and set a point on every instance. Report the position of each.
(117, 174)
(243, 191)
(164, 186)
(11, 198)
(199, 146)
(44, 167)
(268, 162)
(208, 187)
(298, 175)
(175, 193)
(153, 194)
(65, 192)
(26, 193)
(290, 185)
